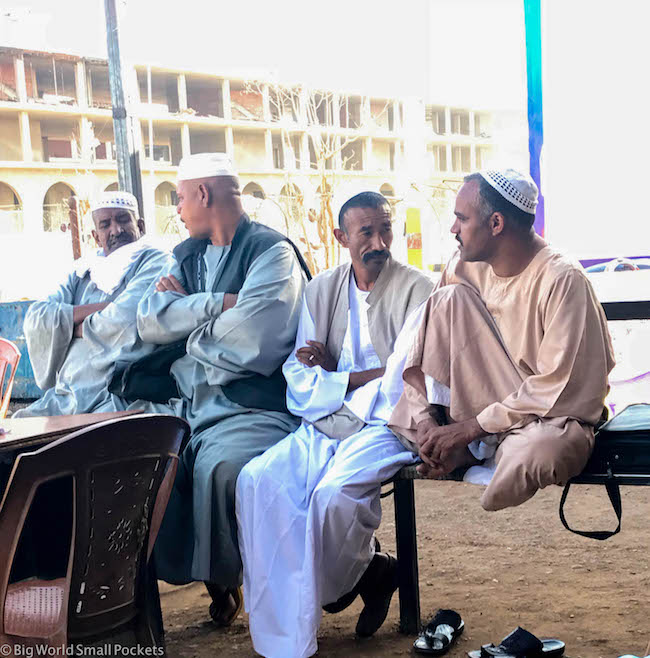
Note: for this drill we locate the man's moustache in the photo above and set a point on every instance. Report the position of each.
(375, 254)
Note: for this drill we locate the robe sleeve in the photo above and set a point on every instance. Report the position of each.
(312, 393)
(165, 317)
(112, 333)
(49, 330)
(573, 361)
(257, 334)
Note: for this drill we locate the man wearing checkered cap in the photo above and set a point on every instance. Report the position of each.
(513, 350)
(79, 332)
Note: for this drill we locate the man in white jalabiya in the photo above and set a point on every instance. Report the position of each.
(78, 333)
(308, 507)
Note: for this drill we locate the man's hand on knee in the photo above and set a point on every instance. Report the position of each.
(443, 446)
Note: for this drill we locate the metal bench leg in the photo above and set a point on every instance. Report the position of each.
(407, 557)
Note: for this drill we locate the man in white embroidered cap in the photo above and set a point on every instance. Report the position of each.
(514, 348)
(78, 333)
(228, 312)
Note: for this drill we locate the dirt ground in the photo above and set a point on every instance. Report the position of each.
(499, 570)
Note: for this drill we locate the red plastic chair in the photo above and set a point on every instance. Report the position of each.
(122, 473)
(9, 356)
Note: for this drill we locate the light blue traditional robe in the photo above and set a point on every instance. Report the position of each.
(198, 537)
(75, 371)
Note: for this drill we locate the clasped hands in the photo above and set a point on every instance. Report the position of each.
(443, 448)
(172, 284)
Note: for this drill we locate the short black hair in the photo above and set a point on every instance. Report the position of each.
(362, 200)
(490, 201)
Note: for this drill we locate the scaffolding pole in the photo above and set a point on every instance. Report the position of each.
(125, 126)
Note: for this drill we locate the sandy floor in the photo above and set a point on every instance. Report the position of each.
(499, 570)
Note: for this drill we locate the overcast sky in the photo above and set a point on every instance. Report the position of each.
(434, 48)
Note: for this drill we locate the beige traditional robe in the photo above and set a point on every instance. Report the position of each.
(514, 351)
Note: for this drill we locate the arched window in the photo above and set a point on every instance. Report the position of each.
(113, 187)
(55, 206)
(254, 190)
(387, 190)
(11, 210)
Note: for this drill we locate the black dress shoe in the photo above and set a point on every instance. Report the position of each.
(377, 591)
(347, 600)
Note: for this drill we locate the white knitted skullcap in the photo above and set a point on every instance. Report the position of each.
(514, 186)
(205, 165)
(124, 200)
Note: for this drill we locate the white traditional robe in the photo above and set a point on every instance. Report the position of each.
(75, 371)
(308, 507)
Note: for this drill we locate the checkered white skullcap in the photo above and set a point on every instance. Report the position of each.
(205, 165)
(124, 200)
(518, 188)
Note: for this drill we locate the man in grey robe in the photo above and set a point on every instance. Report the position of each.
(76, 335)
(238, 324)
(308, 507)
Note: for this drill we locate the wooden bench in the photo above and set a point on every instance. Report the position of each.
(405, 523)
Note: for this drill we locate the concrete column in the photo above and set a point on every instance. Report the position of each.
(80, 84)
(303, 103)
(85, 140)
(25, 137)
(448, 121)
(397, 122)
(338, 158)
(288, 156)
(472, 158)
(266, 103)
(365, 112)
(304, 151)
(182, 92)
(268, 150)
(225, 95)
(185, 140)
(449, 158)
(21, 85)
(368, 159)
(336, 110)
(472, 132)
(230, 145)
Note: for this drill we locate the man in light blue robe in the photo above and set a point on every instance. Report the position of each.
(76, 335)
(234, 295)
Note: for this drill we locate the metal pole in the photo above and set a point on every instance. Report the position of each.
(126, 128)
(75, 233)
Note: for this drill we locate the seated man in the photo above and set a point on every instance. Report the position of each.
(515, 346)
(77, 334)
(308, 507)
(232, 296)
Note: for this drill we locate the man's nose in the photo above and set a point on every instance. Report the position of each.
(455, 229)
(378, 243)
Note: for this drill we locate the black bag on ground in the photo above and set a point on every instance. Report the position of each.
(621, 456)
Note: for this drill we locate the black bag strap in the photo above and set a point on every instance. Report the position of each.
(614, 493)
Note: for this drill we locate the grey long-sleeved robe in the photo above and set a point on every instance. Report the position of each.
(75, 372)
(198, 537)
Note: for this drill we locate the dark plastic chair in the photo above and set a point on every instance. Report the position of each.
(9, 358)
(122, 473)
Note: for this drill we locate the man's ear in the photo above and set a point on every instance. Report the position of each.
(204, 195)
(497, 223)
(141, 226)
(93, 232)
(341, 237)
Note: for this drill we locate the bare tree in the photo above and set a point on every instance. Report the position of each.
(330, 123)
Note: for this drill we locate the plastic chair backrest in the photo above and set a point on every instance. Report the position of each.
(9, 358)
(117, 468)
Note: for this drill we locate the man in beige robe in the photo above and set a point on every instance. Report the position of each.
(514, 345)
(308, 507)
